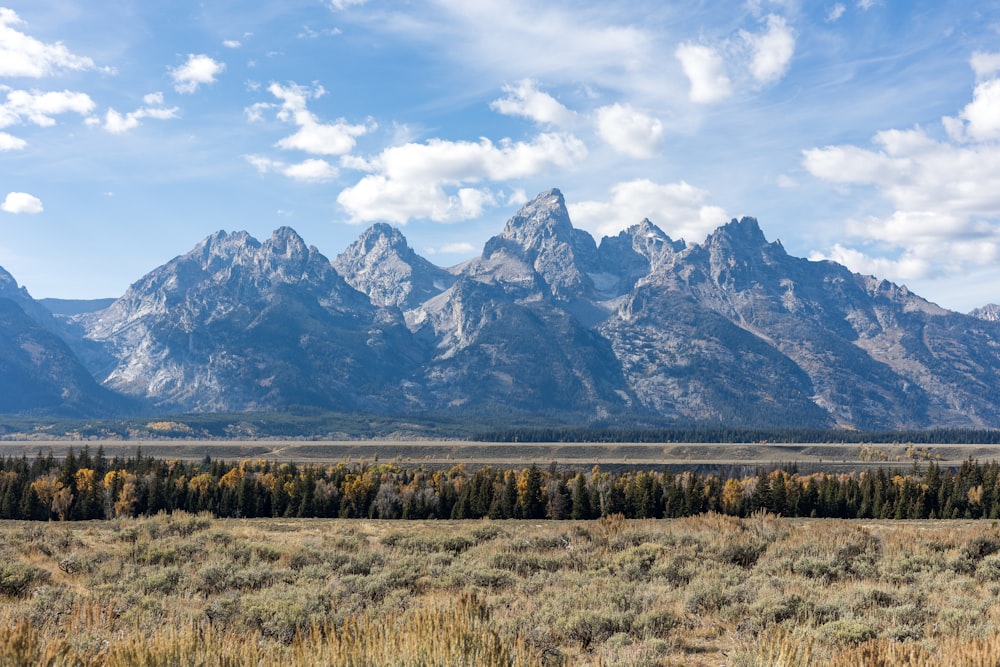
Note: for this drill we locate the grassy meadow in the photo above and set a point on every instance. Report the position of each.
(187, 589)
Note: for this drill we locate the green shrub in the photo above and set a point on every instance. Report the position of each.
(594, 626)
(818, 568)
(980, 547)
(164, 581)
(988, 569)
(489, 577)
(17, 578)
(743, 552)
(847, 632)
(656, 623)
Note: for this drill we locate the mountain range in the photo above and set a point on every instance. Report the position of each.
(546, 322)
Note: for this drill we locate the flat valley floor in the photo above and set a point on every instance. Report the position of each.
(808, 457)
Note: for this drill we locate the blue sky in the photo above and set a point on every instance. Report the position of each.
(862, 131)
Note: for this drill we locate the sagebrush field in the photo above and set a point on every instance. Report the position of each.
(714, 590)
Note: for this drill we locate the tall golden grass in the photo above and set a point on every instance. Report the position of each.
(708, 590)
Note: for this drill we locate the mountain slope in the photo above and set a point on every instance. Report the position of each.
(547, 322)
(236, 324)
(40, 374)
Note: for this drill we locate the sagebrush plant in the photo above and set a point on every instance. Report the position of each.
(705, 590)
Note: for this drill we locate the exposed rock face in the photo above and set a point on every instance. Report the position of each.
(236, 324)
(546, 322)
(990, 312)
(383, 266)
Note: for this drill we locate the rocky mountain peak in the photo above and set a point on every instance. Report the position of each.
(382, 234)
(286, 242)
(990, 312)
(744, 233)
(545, 216)
(539, 240)
(654, 240)
(381, 264)
(7, 282)
(222, 249)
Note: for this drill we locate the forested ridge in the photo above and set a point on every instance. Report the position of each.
(89, 485)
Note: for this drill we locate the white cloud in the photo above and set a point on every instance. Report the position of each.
(517, 197)
(9, 142)
(457, 248)
(772, 50)
(526, 100)
(39, 108)
(22, 55)
(263, 164)
(554, 42)
(337, 138)
(21, 202)
(629, 131)
(835, 12)
(344, 4)
(679, 209)
(985, 65)
(197, 70)
(231, 43)
(117, 123)
(980, 119)
(706, 71)
(425, 180)
(311, 171)
(866, 4)
(308, 171)
(945, 196)
(907, 267)
(255, 112)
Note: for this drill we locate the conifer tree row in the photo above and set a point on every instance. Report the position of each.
(88, 485)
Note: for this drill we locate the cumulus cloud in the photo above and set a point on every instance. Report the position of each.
(525, 99)
(706, 70)
(945, 195)
(337, 138)
(980, 119)
(985, 65)
(771, 50)
(679, 209)
(118, 123)
(231, 43)
(835, 12)
(39, 108)
(629, 131)
(197, 70)
(23, 55)
(433, 180)
(311, 170)
(9, 142)
(344, 4)
(21, 202)
(906, 267)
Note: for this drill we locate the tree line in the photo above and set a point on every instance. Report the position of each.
(713, 434)
(91, 486)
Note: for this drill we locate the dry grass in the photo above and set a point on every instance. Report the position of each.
(708, 590)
